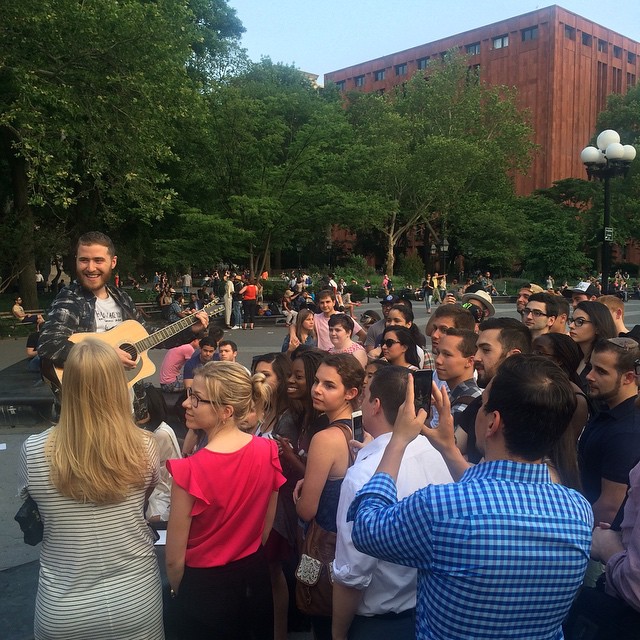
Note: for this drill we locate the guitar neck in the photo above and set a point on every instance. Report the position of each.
(171, 330)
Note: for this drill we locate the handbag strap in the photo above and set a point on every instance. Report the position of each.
(345, 425)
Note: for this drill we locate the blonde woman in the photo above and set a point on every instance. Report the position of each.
(223, 503)
(89, 475)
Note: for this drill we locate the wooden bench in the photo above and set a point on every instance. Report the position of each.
(9, 324)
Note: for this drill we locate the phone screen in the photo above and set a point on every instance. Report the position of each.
(422, 389)
(356, 422)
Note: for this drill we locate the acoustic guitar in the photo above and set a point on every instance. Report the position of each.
(132, 337)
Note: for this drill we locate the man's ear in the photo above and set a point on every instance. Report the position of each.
(629, 377)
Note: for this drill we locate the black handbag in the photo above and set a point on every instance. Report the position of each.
(28, 517)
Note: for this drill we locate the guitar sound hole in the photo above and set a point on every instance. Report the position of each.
(131, 350)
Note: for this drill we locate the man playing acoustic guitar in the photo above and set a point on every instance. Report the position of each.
(91, 304)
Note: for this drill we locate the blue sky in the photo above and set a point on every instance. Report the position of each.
(319, 36)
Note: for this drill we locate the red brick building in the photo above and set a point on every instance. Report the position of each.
(564, 67)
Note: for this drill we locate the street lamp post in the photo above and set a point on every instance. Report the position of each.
(299, 250)
(608, 160)
(434, 250)
(444, 246)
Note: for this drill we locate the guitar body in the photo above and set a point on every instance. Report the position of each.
(132, 337)
(124, 337)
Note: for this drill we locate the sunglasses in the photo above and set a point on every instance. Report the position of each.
(389, 343)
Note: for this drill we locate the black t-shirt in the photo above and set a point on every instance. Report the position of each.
(467, 422)
(609, 447)
(32, 340)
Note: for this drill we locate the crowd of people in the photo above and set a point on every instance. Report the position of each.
(474, 514)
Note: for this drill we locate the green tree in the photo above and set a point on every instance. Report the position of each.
(90, 94)
(421, 151)
(272, 132)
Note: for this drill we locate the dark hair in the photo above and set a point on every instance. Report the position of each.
(208, 341)
(407, 314)
(216, 333)
(513, 334)
(462, 318)
(600, 316)
(281, 365)
(349, 369)
(536, 403)
(311, 359)
(389, 385)
(342, 320)
(625, 357)
(405, 339)
(565, 351)
(97, 237)
(229, 343)
(468, 343)
(157, 408)
(549, 300)
(326, 293)
(563, 306)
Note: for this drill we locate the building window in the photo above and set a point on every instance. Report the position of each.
(401, 69)
(378, 76)
(358, 81)
(617, 80)
(501, 42)
(341, 84)
(380, 92)
(529, 34)
(587, 40)
(617, 52)
(569, 32)
(473, 49)
(631, 80)
(603, 46)
(422, 63)
(631, 57)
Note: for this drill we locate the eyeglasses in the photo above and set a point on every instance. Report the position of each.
(637, 366)
(389, 343)
(579, 321)
(624, 343)
(536, 313)
(196, 400)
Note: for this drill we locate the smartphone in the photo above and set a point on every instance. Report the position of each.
(422, 389)
(356, 423)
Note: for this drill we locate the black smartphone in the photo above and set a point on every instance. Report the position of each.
(356, 423)
(422, 389)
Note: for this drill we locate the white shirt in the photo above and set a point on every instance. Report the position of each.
(108, 314)
(387, 587)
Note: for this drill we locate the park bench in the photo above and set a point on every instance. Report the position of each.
(24, 398)
(10, 325)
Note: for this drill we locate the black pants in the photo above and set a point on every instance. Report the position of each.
(391, 626)
(598, 616)
(249, 309)
(232, 602)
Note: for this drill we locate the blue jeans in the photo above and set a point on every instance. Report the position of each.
(237, 312)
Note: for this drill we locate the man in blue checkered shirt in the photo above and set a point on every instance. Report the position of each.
(502, 552)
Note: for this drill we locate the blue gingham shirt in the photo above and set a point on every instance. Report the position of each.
(500, 554)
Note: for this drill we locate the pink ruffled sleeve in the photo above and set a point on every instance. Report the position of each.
(184, 475)
(278, 477)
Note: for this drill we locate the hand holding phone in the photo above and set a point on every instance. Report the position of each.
(422, 381)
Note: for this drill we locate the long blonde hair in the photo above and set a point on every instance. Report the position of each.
(230, 384)
(96, 453)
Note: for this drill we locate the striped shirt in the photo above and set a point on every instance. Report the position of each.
(500, 554)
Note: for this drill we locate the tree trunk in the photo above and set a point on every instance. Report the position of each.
(391, 259)
(26, 246)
